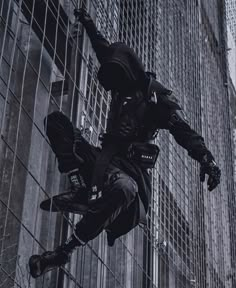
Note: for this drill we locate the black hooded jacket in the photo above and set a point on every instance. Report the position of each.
(120, 66)
(122, 70)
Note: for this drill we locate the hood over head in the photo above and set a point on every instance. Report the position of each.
(121, 68)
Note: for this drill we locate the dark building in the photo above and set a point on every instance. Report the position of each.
(47, 64)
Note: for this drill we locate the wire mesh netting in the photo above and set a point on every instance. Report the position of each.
(47, 64)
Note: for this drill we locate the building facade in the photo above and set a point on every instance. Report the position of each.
(47, 64)
(230, 13)
(231, 29)
(231, 55)
(231, 35)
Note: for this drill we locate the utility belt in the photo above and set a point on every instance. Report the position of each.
(144, 154)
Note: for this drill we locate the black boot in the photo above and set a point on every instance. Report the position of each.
(74, 201)
(40, 264)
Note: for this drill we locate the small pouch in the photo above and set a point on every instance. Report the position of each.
(144, 154)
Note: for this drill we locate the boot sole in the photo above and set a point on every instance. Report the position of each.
(61, 203)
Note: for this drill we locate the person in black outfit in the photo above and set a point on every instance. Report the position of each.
(117, 174)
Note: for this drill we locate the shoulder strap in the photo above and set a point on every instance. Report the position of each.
(158, 93)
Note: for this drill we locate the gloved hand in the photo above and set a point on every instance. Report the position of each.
(209, 167)
(82, 15)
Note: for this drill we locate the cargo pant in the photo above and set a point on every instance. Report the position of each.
(120, 192)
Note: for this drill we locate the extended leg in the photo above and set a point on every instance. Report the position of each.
(118, 195)
(120, 192)
(40, 264)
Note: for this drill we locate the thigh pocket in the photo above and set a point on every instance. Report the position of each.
(120, 182)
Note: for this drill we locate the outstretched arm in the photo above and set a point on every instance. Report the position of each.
(99, 43)
(186, 136)
(194, 144)
(169, 115)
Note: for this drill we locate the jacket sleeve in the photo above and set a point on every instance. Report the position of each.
(169, 115)
(99, 43)
(186, 136)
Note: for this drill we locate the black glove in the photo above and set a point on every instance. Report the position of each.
(209, 167)
(82, 15)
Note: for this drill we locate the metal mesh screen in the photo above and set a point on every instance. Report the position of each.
(46, 64)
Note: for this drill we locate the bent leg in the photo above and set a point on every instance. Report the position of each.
(60, 132)
(119, 194)
(76, 157)
(40, 264)
(70, 147)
